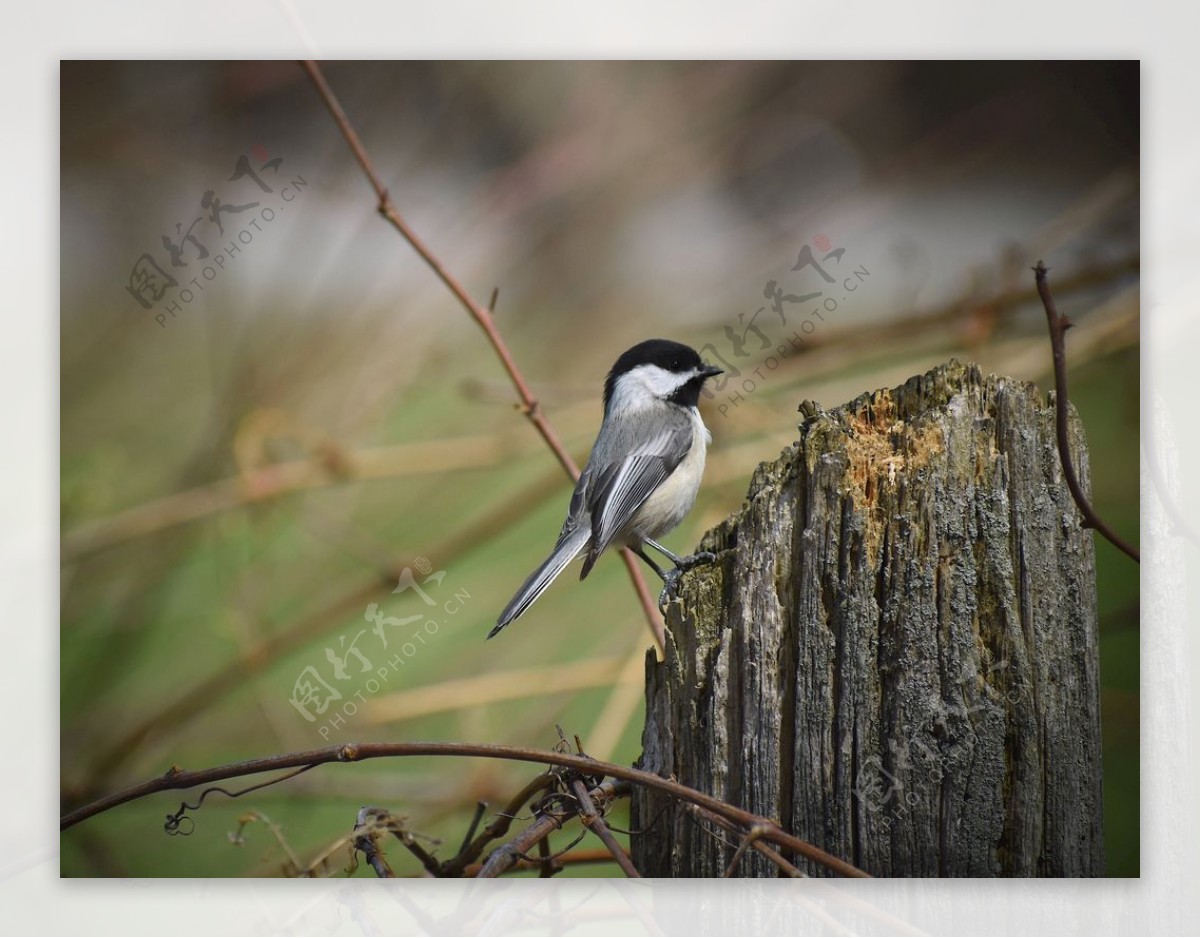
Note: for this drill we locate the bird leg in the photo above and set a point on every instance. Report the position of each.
(682, 565)
(646, 557)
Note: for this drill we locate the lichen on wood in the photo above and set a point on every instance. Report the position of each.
(896, 653)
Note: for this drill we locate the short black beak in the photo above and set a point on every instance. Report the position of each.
(711, 371)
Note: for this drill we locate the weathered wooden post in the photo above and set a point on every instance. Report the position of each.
(896, 656)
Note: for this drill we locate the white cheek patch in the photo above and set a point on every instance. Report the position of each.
(658, 381)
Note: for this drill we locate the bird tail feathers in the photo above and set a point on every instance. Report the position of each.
(542, 577)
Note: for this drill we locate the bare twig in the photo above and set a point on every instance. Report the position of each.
(396, 826)
(357, 752)
(1059, 324)
(432, 867)
(594, 820)
(756, 843)
(752, 837)
(551, 813)
(575, 857)
(508, 854)
(548, 864)
(482, 316)
(372, 822)
(472, 848)
(366, 828)
(480, 808)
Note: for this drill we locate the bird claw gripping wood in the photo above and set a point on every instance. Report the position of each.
(671, 577)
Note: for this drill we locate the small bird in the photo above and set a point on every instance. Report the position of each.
(644, 471)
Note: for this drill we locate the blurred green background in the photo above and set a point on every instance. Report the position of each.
(242, 480)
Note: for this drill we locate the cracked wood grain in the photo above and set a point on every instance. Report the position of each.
(897, 653)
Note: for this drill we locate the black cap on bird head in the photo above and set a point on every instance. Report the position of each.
(674, 357)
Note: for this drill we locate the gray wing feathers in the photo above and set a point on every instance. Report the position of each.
(623, 493)
(623, 486)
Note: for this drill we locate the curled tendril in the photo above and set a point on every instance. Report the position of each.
(555, 803)
(174, 824)
(645, 827)
(541, 861)
(178, 824)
